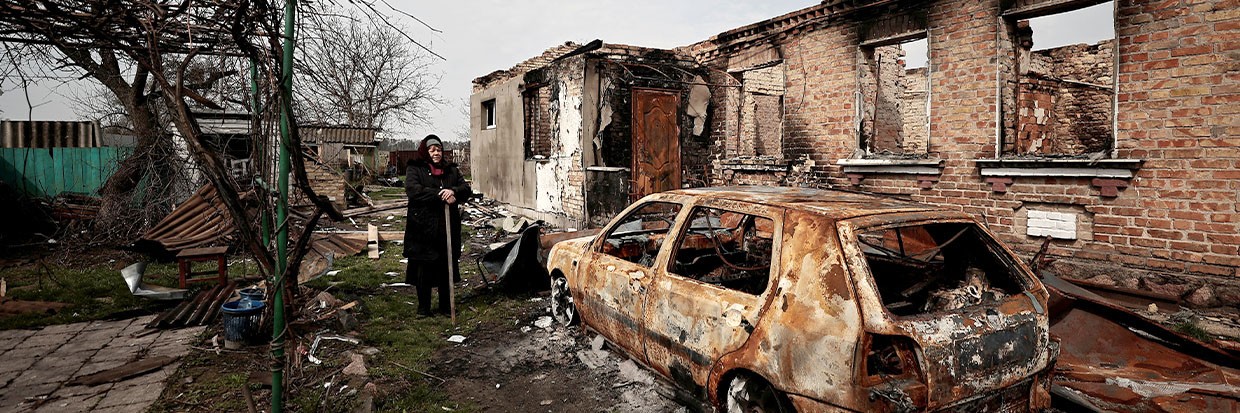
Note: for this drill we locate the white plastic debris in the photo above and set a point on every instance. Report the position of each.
(458, 339)
(394, 285)
(391, 273)
(333, 272)
(536, 299)
(543, 322)
(404, 260)
(390, 217)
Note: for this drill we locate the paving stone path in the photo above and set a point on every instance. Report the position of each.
(36, 364)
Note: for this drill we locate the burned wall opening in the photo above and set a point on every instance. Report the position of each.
(615, 139)
(1059, 101)
(893, 71)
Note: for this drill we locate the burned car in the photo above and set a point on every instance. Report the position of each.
(787, 299)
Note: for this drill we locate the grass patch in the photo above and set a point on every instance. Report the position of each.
(93, 292)
(1192, 330)
(387, 193)
(405, 341)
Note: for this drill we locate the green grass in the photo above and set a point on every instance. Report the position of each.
(92, 293)
(405, 341)
(387, 194)
(1192, 330)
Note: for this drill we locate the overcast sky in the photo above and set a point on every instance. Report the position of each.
(482, 36)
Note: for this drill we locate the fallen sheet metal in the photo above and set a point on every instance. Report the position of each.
(324, 248)
(200, 220)
(199, 311)
(133, 278)
(1115, 360)
(515, 265)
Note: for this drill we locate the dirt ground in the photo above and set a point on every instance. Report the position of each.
(521, 367)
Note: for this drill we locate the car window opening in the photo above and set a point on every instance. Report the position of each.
(728, 249)
(936, 267)
(639, 236)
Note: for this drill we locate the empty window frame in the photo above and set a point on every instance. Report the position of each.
(729, 249)
(1060, 100)
(762, 111)
(536, 105)
(638, 237)
(894, 97)
(937, 267)
(488, 114)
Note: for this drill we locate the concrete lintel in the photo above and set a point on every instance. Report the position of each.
(1059, 172)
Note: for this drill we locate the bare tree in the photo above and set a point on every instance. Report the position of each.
(360, 72)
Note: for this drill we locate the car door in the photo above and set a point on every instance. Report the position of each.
(619, 270)
(708, 300)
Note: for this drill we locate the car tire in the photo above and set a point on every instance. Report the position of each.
(751, 394)
(563, 308)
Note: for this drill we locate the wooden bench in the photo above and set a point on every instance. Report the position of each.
(187, 257)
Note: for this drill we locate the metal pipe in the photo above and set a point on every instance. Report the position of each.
(277, 311)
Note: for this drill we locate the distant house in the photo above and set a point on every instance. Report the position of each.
(343, 147)
(572, 136)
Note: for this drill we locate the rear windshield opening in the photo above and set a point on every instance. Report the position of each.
(937, 267)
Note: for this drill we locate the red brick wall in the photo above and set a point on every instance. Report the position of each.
(1175, 227)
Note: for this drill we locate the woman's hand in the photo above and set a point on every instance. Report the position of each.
(447, 195)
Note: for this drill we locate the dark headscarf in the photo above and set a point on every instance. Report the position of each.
(424, 152)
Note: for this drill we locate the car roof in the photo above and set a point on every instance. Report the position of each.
(833, 203)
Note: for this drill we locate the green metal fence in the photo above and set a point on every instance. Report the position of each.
(44, 172)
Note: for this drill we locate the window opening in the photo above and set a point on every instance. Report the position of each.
(939, 267)
(1065, 84)
(729, 249)
(536, 102)
(895, 96)
(488, 114)
(762, 112)
(638, 237)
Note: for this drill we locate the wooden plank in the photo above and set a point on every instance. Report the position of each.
(123, 372)
(372, 241)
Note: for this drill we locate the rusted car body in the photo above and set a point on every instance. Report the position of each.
(769, 299)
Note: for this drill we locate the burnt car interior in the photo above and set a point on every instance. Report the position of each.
(729, 249)
(933, 267)
(637, 238)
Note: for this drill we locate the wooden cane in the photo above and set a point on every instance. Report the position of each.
(447, 224)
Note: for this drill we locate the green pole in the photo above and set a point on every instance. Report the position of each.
(277, 318)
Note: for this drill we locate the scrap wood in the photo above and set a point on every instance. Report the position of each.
(10, 306)
(336, 310)
(419, 372)
(385, 206)
(123, 372)
(372, 241)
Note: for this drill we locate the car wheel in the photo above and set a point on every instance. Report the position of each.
(748, 394)
(563, 309)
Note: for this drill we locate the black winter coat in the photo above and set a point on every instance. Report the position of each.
(425, 238)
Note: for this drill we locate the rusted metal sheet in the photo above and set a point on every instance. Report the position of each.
(1117, 360)
(199, 311)
(200, 220)
(656, 142)
(49, 134)
(826, 330)
(338, 134)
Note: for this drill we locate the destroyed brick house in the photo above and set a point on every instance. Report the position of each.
(1123, 152)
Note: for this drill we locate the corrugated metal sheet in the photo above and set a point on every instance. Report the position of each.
(200, 220)
(338, 134)
(49, 172)
(49, 134)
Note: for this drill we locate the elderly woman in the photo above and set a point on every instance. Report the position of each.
(431, 183)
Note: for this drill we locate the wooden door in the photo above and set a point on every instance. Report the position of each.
(656, 142)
